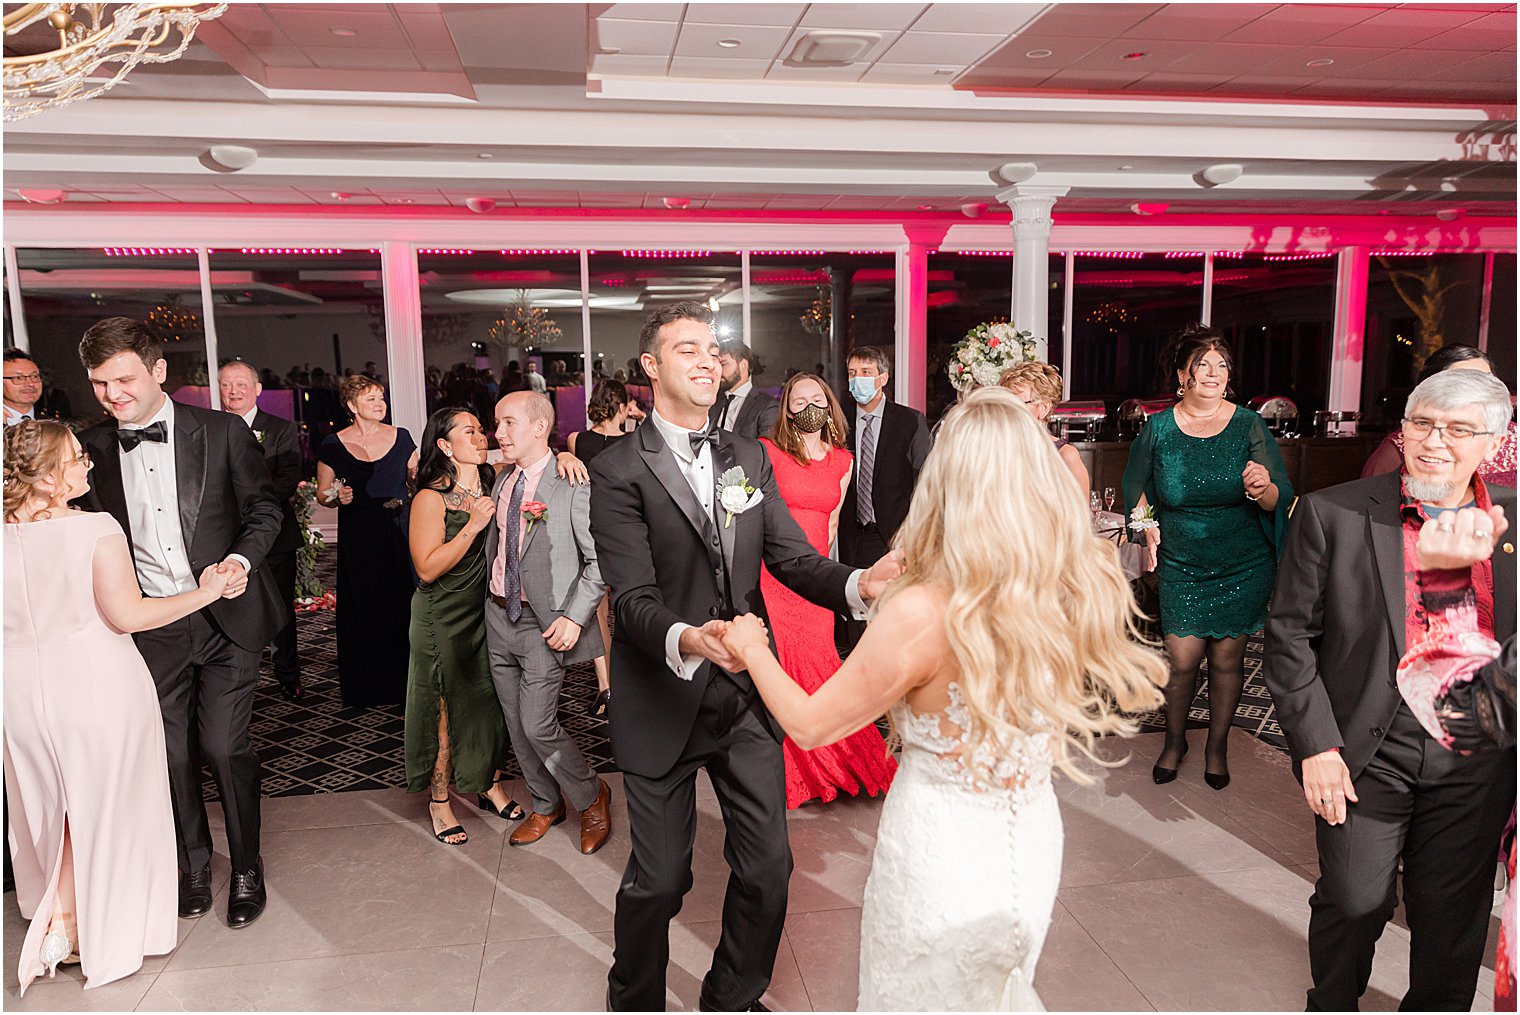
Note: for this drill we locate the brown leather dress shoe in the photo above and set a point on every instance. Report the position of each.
(536, 827)
(596, 820)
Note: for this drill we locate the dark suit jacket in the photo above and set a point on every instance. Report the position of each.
(226, 505)
(904, 437)
(1335, 632)
(666, 562)
(282, 455)
(757, 416)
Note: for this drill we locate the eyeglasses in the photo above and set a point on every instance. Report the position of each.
(83, 457)
(1421, 428)
(24, 378)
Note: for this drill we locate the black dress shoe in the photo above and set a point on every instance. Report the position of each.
(195, 893)
(703, 1005)
(1161, 776)
(246, 898)
(292, 690)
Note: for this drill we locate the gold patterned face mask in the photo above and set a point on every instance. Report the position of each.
(810, 419)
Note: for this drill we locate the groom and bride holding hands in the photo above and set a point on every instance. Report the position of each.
(1003, 647)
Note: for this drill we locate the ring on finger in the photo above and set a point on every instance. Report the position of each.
(1480, 534)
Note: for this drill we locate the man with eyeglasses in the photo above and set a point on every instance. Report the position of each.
(1356, 618)
(23, 386)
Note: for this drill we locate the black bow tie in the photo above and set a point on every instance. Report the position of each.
(710, 436)
(157, 432)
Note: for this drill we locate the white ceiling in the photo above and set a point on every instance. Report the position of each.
(620, 106)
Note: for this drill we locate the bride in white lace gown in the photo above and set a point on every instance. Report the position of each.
(1004, 650)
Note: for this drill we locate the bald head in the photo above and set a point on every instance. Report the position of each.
(524, 420)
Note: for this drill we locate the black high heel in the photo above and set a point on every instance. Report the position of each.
(512, 812)
(443, 836)
(1219, 781)
(598, 709)
(1162, 776)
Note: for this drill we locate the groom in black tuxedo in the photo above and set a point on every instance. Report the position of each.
(190, 489)
(683, 558)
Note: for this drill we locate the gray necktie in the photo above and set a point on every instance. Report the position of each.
(865, 511)
(512, 578)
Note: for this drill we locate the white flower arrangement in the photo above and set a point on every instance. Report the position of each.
(987, 350)
(736, 494)
(1143, 518)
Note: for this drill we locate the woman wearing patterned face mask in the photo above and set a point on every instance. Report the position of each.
(807, 448)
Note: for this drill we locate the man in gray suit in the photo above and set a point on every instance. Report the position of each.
(542, 594)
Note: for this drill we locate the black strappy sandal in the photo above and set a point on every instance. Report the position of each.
(512, 812)
(443, 836)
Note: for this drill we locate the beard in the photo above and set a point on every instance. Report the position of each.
(1428, 491)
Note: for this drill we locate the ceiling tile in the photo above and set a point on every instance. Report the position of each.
(978, 19)
(870, 17)
(1005, 77)
(635, 38)
(1099, 80)
(755, 42)
(252, 26)
(785, 72)
(1063, 52)
(280, 56)
(1301, 23)
(1225, 57)
(1414, 64)
(744, 14)
(1496, 31)
(269, 195)
(944, 48)
(427, 31)
(858, 202)
(1259, 85)
(442, 61)
(1497, 68)
(1184, 84)
(716, 67)
(315, 28)
(1197, 22)
(1089, 20)
(421, 197)
(1110, 55)
(633, 66)
(1346, 87)
(362, 59)
(641, 12)
(909, 74)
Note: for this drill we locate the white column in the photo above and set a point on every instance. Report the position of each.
(13, 293)
(208, 318)
(1069, 295)
(1031, 247)
(403, 336)
(910, 369)
(1206, 316)
(1350, 330)
(744, 279)
(585, 327)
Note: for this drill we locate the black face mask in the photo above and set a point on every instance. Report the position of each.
(810, 419)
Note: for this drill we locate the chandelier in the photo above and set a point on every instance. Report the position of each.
(523, 324)
(107, 41)
(171, 322)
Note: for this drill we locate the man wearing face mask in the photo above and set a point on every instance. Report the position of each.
(890, 443)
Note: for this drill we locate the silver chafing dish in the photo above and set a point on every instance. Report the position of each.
(1133, 412)
(1336, 422)
(1078, 420)
(1278, 412)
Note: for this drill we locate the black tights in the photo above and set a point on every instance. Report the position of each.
(1227, 677)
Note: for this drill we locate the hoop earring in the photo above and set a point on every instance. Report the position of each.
(1181, 391)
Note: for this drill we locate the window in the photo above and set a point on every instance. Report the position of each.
(965, 289)
(1278, 312)
(1125, 306)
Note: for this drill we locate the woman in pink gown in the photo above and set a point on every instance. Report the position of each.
(86, 777)
(812, 467)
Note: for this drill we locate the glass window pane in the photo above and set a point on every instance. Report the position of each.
(965, 289)
(627, 284)
(64, 291)
(1278, 311)
(1501, 319)
(495, 321)
(303, 318)
(1415, 304)
(1125, 306)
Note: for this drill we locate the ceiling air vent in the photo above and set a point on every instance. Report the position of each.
(831, 49)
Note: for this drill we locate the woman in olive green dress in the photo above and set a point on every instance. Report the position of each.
(454, 725)
(1211, 471)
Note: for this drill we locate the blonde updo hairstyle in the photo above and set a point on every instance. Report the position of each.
(1040, 617)
(34, 450)
(1042, 380)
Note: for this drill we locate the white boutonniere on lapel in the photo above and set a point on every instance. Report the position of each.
(258, 435)
(736, 494)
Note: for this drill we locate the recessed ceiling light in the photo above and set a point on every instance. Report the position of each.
(729, 43)
(1134, 56)
(1320, 63)
(1039, 54)
(485, 155)
(403, 200)
(926, 207)
(339, 195)
(344, 33)
(1125, 169)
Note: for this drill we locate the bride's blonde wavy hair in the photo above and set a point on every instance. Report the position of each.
(1040, 617)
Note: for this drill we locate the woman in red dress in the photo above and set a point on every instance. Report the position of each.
(812, 466)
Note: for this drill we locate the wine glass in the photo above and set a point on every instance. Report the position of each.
(1094, 502)
(1109, 496)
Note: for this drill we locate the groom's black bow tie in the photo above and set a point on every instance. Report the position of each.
(710, 436)
(157, 432)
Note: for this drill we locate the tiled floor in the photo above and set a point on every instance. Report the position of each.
(1172, 897)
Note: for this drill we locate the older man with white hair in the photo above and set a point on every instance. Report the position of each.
(1353, 600)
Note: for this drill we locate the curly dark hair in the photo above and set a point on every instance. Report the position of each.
(607, 398)
(1186, 347)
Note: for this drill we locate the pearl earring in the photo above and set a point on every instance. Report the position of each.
(448, 453)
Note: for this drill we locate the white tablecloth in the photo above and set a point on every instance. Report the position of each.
(1110, 525)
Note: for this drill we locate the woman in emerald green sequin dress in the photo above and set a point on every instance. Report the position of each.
(1211, 471)
(454, 727)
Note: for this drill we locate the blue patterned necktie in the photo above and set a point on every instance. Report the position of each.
(513, 580)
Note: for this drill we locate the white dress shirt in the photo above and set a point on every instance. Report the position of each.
(13, 416)
(735, 404)
(248, 417)
(698, 470)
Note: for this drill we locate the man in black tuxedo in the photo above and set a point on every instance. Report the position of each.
(240, 389)
(889, 442)
(1381, 786)
(190, 489)
(741, 408)
(682, 558)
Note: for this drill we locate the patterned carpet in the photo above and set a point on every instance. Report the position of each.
(318, 746)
